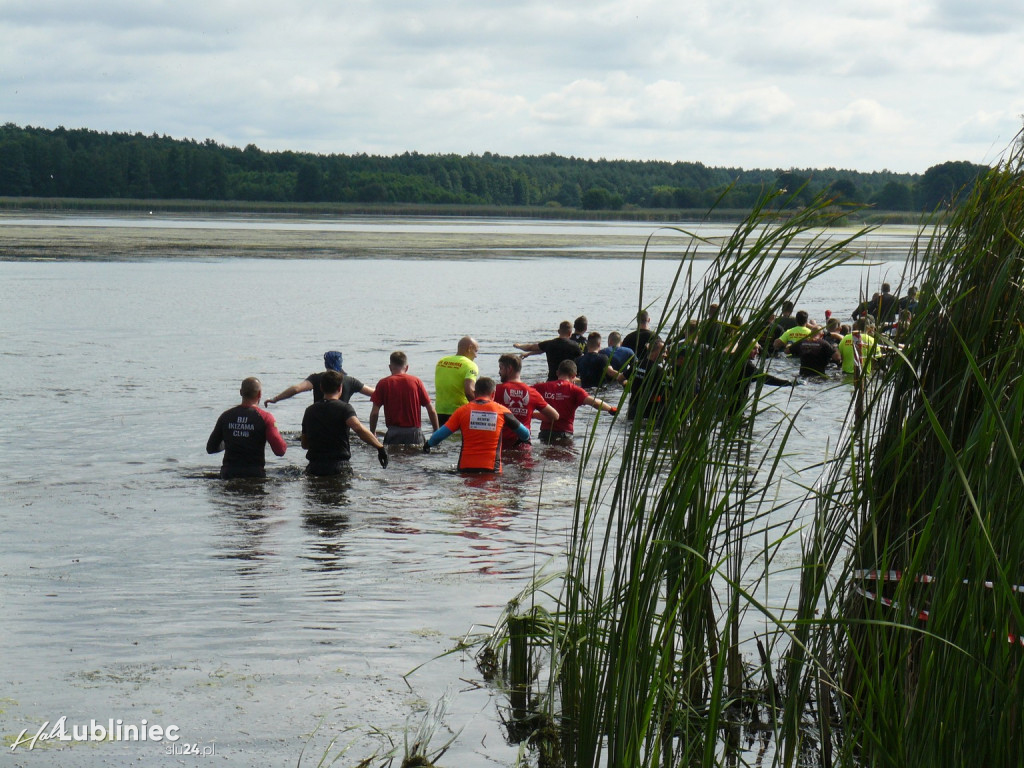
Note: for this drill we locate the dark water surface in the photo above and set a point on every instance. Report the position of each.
(134, 585)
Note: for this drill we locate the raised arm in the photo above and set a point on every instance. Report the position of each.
(303, 386)
(530, 348)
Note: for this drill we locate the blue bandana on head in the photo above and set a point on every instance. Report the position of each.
(332, 361)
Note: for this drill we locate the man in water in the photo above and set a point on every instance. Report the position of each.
(592, 364)
(617, 354)
(243, 432)
(637, 340)
(798, 332)
(481, 422)
(332, 362)
(882, 306)
(401, 395)
(782, 323)
(815, 353)
(565, 397)
(556, 350)
(859, 348)
(454, 377)
(519, 397)
(325, 427)
(579, 332)
(647, 388)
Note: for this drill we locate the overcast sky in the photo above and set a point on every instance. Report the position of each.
(867, 85)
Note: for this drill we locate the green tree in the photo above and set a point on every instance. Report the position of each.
(894, 196)
(309, 183)
(943, 184)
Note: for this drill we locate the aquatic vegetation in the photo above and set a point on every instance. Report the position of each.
(902, 645)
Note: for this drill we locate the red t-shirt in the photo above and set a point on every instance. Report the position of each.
(520, 398)
(565, 397)
(401, 395)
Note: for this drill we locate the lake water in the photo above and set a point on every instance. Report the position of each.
(136, 586)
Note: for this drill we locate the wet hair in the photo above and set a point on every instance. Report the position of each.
(330, 382)
(399, 359)
(251, 388)
(564, 327)
(580, 324)
(567, 368)
(515, 362)
(484, 386)
(801, 317)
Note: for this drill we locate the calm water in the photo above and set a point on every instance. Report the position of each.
(135, 585)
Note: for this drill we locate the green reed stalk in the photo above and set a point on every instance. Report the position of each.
(675, 536)
(931, 489)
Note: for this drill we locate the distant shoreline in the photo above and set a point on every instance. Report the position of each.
(864, 216)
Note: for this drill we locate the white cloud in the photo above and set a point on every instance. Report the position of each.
(785, 84)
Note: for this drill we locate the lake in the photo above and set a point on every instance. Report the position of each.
(137, 587)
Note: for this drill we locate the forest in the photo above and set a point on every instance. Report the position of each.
(82, 163)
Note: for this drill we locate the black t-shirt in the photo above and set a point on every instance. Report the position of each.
(814, 356)
(243, 433)
(349, 386)
(646, 396)
(556, 351)
(324, 425)
(591, 368)
(637, 341)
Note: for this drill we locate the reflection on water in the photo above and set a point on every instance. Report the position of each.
(258, 606)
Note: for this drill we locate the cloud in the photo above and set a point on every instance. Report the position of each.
(788, 83)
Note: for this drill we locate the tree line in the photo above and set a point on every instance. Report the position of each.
(82, 163)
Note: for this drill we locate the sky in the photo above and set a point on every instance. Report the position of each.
(897, 85)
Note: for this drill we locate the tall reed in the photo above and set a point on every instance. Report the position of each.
(649, 648)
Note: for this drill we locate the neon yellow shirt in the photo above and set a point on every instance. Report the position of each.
(869, 351)
(449, 374)
(795, 334)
